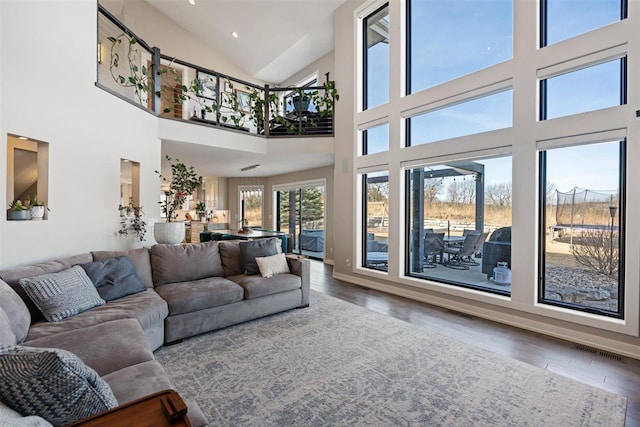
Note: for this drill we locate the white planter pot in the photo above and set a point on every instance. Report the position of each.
(37, 212)
(171, 233)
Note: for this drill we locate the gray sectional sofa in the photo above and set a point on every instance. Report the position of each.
(188, 290)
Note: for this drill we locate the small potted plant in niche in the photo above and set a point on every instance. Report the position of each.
(37, 208)
(18, 211)
(184, 181)
(132, 222)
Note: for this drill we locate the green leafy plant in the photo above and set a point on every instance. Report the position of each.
(33, 201)
(17, 205)
(201, 208)
(132, 222)
(183, 182)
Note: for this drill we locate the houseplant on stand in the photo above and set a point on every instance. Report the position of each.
(184, 181)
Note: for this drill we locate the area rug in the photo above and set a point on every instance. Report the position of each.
(338, 364)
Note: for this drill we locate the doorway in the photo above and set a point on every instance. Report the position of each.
(300, 213)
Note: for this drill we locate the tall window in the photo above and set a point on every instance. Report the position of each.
(575, 92)
(376, 58)
(251, 202)
(490, 112)
(376, 220)
(450, 38)
(563, 19)
(582, 227)
(459, 216)
(375, 139)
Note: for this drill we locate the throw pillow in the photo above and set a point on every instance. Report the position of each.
(256, 248)
(63, 294)
(114, 277)
(274, 264)
(9, 417)
(53, 384)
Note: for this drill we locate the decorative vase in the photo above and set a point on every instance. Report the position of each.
(21, 215)
(171, 233)
(37, 212)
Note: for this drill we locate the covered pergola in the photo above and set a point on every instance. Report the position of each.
(451, 169)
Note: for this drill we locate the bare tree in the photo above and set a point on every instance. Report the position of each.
(461, 192)
(597, 250)
(499, 195)
(432, 187)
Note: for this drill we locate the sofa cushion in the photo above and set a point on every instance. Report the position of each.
(7, 337)
(63, 294)
(183, 263)
(231, 258)
(114, 277)
(274, 264)
(113, 345)
(13, 275)
(53, 384)
(140, 258)
(147, 307)
(16, 310)
(137, 381)
(256, 248)
(258, 286)
(187, 297)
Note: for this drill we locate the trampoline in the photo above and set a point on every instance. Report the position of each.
(583, 210)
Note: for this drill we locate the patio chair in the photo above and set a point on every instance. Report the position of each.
(456, 254)
(433, 248)
(477, 250)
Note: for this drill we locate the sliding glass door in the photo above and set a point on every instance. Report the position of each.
(300, 213)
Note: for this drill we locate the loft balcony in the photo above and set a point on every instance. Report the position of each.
(177, 90)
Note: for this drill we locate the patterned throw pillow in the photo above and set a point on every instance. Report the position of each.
(53, 384)
(9, 417)
(62, 294)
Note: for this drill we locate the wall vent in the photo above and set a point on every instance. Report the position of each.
(600, 353)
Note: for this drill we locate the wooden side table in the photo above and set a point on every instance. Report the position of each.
(165, 408)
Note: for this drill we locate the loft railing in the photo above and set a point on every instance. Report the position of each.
(169, 87)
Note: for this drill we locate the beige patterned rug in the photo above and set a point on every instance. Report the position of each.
(338, 364)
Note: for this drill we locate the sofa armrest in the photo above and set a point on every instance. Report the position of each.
(301, 267)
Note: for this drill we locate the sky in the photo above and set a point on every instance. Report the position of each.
(481, 35)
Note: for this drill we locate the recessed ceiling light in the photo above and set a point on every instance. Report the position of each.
(235, 35)
(22, 137)
(192, 2)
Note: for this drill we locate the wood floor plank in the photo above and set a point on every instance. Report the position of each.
(556, 355)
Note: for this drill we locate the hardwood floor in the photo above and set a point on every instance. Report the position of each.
(562, 357)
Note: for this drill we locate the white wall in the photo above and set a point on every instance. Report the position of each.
(521, 308)
(47, 82)
(157, 30)
(322, 66)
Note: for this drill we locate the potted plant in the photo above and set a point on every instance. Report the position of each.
(183, 182)
(201, 210)
(36, 208)
(18, 211)
(132, 222)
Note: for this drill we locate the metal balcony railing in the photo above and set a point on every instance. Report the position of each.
(169, 87)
